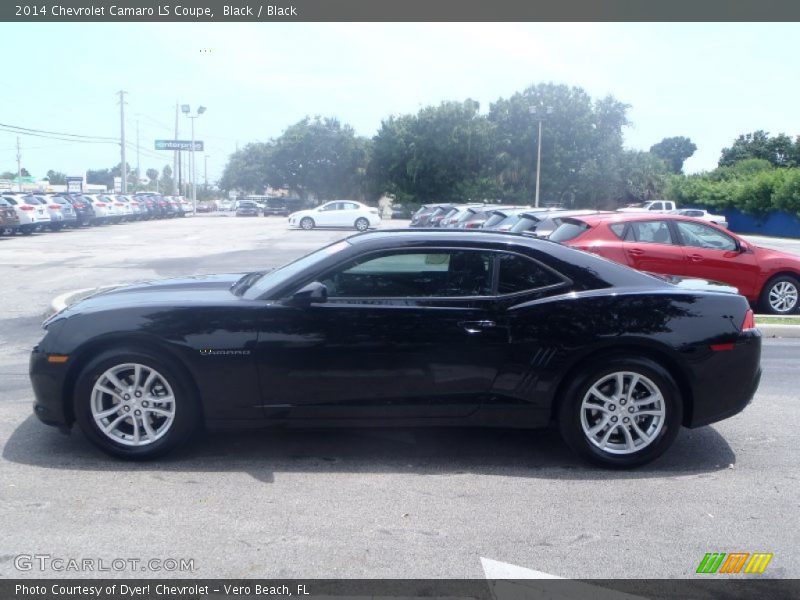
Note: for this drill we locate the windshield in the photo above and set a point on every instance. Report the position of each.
(279, 276)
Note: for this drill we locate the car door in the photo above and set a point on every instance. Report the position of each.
(350, 211)
(403, 334)
(326, 214)
(651, 246)
(715, 255)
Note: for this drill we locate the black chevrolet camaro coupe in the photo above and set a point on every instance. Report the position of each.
(406, 328)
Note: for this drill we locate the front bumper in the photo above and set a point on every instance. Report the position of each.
(48, 380)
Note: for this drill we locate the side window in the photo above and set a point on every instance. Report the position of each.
(519, 274)
(704, 236)
(657, 206)
(446, 273)
(651, 232)
(330, 206)
(618, 229)
(350, 205)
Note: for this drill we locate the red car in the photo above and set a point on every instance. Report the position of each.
(688, 247)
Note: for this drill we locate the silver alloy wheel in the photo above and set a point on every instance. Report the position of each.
(783, 296)
(306, 223)
(133, 404)
(622, 412)
(362, 224)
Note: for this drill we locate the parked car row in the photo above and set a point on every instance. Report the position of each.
(28, 212)
(657, 238)
(518, 219)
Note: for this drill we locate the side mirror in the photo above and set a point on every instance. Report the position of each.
(313, 293)
(743, 247)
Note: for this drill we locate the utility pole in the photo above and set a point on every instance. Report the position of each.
(19, 167)
(205, 170)
(138, 168)
(175, 160)
(123, 164)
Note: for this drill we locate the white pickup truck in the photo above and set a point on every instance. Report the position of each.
(658, 206)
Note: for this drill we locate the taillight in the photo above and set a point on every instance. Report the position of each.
(57, 206)
(79, 205)
(749, 321)
(119, 204)
(26, 207)
(100, 204)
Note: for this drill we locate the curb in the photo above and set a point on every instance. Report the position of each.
(779, 331)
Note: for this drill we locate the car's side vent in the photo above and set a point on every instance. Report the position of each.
(542, 357)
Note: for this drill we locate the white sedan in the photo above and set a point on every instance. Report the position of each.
(338, 213)
(702, 214)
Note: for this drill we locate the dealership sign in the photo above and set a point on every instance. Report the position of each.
(74, 184)
(179, 145)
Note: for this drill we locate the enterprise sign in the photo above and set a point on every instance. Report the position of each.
(179, 145)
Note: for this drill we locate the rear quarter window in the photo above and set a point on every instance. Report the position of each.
(568, 230)
(520, 274)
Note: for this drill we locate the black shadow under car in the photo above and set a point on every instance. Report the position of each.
(406, 328)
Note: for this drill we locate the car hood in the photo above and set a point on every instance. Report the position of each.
(179, 290)
(770, 254)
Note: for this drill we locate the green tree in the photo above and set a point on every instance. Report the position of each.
(780, 150)
(152, 175)
(581, 144)
(247, 169)
(166, 181)
(674, 151)
(56, 177)
(441, 153)
(319, 157)
(643, 176)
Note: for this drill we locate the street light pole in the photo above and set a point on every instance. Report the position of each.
(537, 111)
(192, 170)
(186, 109)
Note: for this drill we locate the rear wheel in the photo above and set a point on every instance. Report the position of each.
(362, 224)
(780, 295)
(26, 229)
(621, 412)
(307, 223)
(134, 405)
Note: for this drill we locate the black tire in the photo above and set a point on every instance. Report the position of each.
(570, 413)
(307, 223)
(184, 423)
(56, 226)
(361, 224)
(26, 229)
(781, 283)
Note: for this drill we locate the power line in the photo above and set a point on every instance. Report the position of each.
(55, 137)
(77, 135)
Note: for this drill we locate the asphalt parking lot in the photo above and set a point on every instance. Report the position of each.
(366, 503)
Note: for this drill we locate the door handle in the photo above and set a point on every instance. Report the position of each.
(635, 251)
(695, 257)
(476, 326)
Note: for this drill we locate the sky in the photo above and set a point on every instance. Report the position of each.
(710, 82)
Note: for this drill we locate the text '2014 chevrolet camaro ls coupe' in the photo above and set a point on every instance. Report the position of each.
(406, 328)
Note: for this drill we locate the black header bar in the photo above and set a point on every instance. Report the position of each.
(397, 10)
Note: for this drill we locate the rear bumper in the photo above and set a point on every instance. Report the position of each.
(727, 383)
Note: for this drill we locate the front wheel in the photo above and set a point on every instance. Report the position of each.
(362, 224)
(134, 405)
(621, 412)
(780, 295)
(307, 223)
